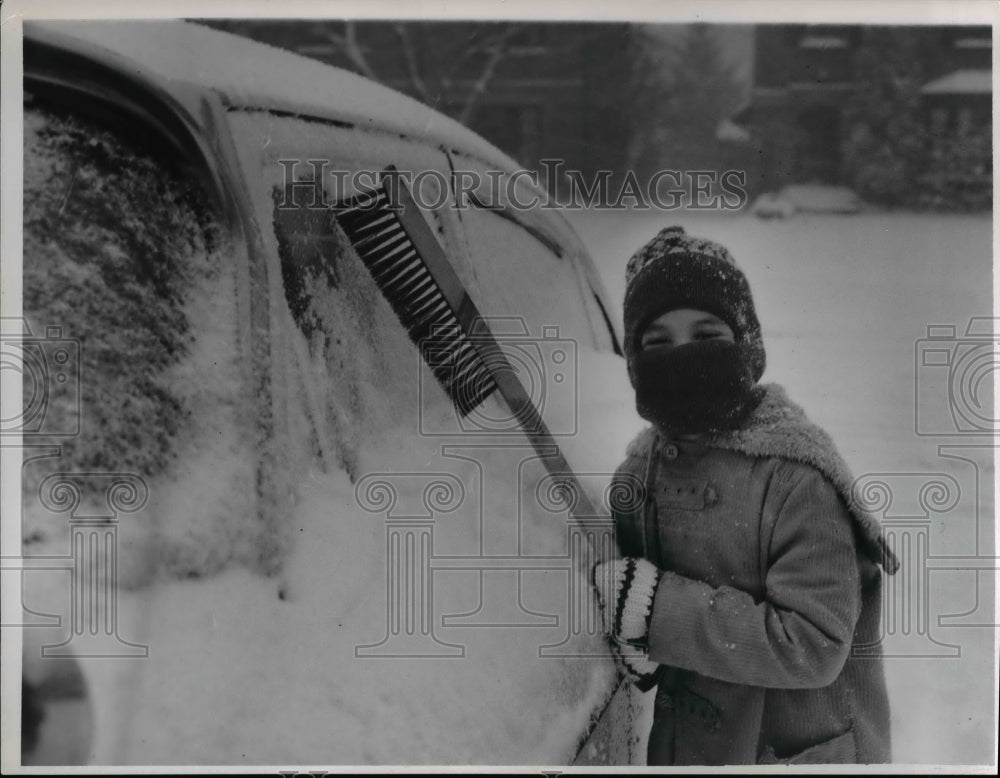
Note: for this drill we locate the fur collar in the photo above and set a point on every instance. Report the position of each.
(780, 428)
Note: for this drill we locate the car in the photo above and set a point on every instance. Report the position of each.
(274, 511)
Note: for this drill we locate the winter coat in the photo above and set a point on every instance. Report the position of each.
(766, 618)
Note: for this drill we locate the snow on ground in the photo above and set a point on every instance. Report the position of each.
(844, 302)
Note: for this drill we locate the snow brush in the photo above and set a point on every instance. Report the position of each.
(410, 268)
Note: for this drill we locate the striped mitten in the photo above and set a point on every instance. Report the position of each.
(635, 662)
(626, 588)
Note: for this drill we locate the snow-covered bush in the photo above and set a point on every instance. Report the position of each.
(959, 174)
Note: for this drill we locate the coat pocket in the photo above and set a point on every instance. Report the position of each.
(837, 750)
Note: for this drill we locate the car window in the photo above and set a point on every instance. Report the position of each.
(347, 354)
(537, 260)
(101, 221)
(355, 369)
(126, 260)
(516, 271)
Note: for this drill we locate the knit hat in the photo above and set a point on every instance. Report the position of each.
(675, 270)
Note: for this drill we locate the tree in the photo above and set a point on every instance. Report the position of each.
(685, 88)
(432, 59)
(449, 65)
(647, 89)
(885, 133)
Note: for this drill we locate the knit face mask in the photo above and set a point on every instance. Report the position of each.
(696, 387)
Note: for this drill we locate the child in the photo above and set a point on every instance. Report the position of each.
(749, 592)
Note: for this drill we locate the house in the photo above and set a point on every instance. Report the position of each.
(802, 75)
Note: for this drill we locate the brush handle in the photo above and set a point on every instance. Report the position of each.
(511, 388)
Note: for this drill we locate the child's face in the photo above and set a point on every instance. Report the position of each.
(685, 325)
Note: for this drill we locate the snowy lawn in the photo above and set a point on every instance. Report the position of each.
(843, 302)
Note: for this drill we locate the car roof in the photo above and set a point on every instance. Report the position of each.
(249, 74)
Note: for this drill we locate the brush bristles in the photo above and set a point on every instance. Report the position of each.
(380, 240)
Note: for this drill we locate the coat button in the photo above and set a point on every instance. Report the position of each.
(670, 451)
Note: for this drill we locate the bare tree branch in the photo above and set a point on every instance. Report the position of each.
(477, 45)
(348, 43)
(481, 49)
(498, 50)
(412, 66)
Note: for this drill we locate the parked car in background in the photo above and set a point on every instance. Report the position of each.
(259, 519)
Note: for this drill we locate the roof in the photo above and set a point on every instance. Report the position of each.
(254, 75)
(961, 82)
